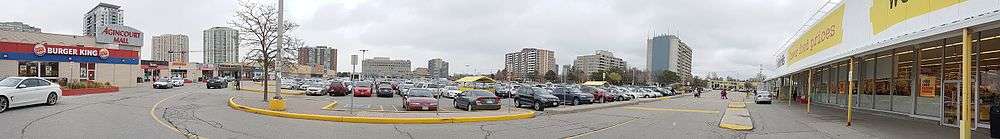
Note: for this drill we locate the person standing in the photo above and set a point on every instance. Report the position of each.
(723, 94)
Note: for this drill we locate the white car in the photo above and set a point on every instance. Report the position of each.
(316, 89)
(163, 83)
(22, 91)
(451, 91)
(177, 81)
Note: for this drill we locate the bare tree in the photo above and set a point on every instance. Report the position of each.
(258, 26)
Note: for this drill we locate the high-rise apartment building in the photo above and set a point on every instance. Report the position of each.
(321, 56)
(221, 45)
(437, 68)
(384, 67)
(530, 64)
(600, 60)
(171, 48)
(18, 27)
(102, 15)
(668, 52)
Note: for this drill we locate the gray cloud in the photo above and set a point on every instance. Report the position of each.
(729, 37)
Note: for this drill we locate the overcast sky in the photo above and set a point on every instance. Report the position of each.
(731, 37)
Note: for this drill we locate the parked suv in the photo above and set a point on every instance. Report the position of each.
(572, 96)
(216, 83)
(536, 97)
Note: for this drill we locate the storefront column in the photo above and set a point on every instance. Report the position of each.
(809, 91)
(850, 91)
(791, 88)
(965, 128)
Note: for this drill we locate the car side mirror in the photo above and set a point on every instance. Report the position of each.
(22, 86)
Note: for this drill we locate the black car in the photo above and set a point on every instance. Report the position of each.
(572, 96)
(384, 91)
(536, 97)
(477, 100)
(216, 83)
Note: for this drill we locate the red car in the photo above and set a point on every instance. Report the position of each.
(336, 89)
(362, 89)
(600, 95)
(420, 99)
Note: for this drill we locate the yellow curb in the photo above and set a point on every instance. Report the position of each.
(736, 127)
(330, 106)
(380, 120)
(261, 91)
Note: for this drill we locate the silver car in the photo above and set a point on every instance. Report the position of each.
(763, 97)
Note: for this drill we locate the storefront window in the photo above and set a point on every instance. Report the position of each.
(902, 101)
(883, 74)
(27, 68)
(842, 83)
(867, 82)
(831, 84)
(929, 72)
(49, 69)
(87, 71)
(989, 75)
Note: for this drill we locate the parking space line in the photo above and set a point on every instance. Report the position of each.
(380, 108)
(394, 108)
(676, 110)
(330, 106)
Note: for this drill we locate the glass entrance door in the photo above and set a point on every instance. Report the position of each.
(952, 103)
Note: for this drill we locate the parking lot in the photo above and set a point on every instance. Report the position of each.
(394, 104)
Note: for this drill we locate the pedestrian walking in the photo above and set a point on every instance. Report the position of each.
(698, 94)
(723, 94)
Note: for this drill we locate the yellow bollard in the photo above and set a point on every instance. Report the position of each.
(276, 105)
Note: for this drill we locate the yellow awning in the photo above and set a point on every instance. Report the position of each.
(594, 83)
(480, 79)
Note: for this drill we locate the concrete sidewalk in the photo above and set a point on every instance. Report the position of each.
(779, 120)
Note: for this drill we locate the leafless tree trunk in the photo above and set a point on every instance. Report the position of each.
(258, 26)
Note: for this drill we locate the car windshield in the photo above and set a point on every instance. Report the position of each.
(420, 93)
(9, 82)
(541, 91)
(573, 90)
(480, 93)
(362, 84)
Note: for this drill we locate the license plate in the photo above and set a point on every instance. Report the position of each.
(424, 108)
(489, 101)
(555, 103)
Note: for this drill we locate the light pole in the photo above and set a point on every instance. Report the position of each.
(362, 60)
(281, 38)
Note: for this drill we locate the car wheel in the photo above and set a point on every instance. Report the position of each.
(52, 99)
(576, 102)
(3, 104)
(539, 107)
(469, 107)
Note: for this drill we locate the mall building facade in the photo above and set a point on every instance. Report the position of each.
(906, 59)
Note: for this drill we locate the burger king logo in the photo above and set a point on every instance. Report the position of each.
(103, 53)
(39, 49)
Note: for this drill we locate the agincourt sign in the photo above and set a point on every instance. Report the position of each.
(121, 35)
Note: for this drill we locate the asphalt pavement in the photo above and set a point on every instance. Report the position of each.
(196, 111)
